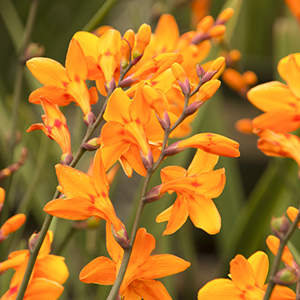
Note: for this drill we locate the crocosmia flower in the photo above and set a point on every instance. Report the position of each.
(247, 278)
(195, 188)
(139, 280)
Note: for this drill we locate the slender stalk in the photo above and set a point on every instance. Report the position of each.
(17, 92)
(277, 260)
(100, 14)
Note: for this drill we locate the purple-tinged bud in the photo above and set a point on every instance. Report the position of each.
(89, 119)
(127, 81)
(33, 50)
(91, 145)
(147, 159)
(154, 194)
(121, 237)
(3, 237)
(200, 71)
(66, 159)
(136, 59)
(174, 149)
(286, 277)
(32, 241)
(192, 108)
(208, 76)
(185, 86)
(165, 122)
(110, 86)
(199, 37)
(280, 226)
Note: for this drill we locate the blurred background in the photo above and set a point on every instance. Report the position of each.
(257, 187)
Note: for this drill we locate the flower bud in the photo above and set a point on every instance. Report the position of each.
(165, 121)
(224, 16)
(91, 145)
(89, 119)
(200, 71)
(154, 194)
(181, 77)
(192, 108)
(93, 222)
(32, 240)
(66, 158)
(217, 31)
(121, 237)
(174, 149)
(208, 89)
(147, 159)
(33, 50)
(110, 86)
(142, 40)
(280, 226)
(127, 44)
(205, 24)
(286, 277)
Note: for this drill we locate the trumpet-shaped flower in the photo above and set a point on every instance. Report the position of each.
(247, 281)
(55, 127)
(132, 129)
(280, 102)
(11, 225)
(63, 85)
(49, 272)
(195, 188)
(139, 280)
(279, 144)
(86, 195)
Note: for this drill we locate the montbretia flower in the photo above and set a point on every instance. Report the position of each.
(247, 278)
(11, 225)
(49, 273)
(279, 144)
(86, 195)
(55, 127)
(139, 280)
(280, 102)
(64, 84)
(195, 188)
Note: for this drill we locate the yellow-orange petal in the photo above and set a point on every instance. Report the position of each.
(48, 71)
(234, 79)
(273, 244)
(167, 34)
(162, 265)
(259, 262)
(142, 40)
(13, 224)
(99, 174)
(2, 195)
(208, 89)
(271, 96)
(150, 289)
(172, 172)
(88, 42)
(101, 270)
(293, 75)
(42, 288)
(244, 126)
(52, 267)
(242, 273)
(220, 289)
(292, 213)
(75, 183)
(282, 293)
(204, 214)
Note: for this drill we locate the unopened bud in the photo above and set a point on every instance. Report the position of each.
(127, 44)
(147, 159)
(164, 122)
(127, 81)
(205, 24)
(33, 50)
(143, 37)
(280, 225)
(174, 149)
(200, 71)
(89, 119)
(93, 222)
(217, 31)
(208, 89)
(91, 145)
(66, 158)
(286, 277)
(154, 194)
(192, 108)
(121, 237)
(224, 16)
(182, 79)
(32, 240)
(110, 86)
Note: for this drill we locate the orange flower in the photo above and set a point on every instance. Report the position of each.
(50, 271)
(139, 280)
(2, 197)
(279, 144)
(292, 213)
(55, 128)
(130, 129)
(195, 188)
(294, 6)
(63, 85)
(208, 142)
(280, 102)
(86, 195)
(247, 281)
(11, 225)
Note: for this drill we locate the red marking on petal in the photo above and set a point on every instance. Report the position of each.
(103, 194)
(57, 123)
(196, 184)
(65, 84)
(77, 79)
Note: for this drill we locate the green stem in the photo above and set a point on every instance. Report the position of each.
(277, 260)
(100, 14)
(18, 85)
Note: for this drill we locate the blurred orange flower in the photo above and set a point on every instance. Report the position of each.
(247, 281)
(139, 280)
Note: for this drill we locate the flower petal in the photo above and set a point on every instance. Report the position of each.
(88, 43)
(293, 75)
(260, 265)
(220, 289)
(48, 71)
(204, 214)
(100, 270)
(99, 175)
